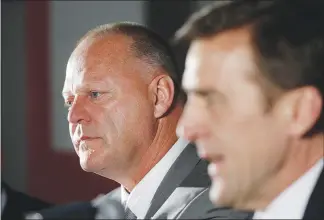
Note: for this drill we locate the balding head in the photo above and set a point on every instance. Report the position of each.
(111, 52)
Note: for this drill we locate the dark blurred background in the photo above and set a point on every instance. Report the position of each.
(37, 38)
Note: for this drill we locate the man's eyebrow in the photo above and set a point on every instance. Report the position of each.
(66, 93)
(101, 85)
(203, 92)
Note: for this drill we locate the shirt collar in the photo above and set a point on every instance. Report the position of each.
(292, 202)
(140, 198)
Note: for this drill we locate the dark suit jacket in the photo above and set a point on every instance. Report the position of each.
(18, 203)
(315, 206)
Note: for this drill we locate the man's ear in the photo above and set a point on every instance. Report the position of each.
(301, 108)
(162, 90)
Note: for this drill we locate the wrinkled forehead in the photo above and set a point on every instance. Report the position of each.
(110, 52)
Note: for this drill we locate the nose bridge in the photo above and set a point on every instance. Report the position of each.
(78, 112)
(192, 122)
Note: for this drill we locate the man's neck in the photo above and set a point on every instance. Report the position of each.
(301, 158)
(164, 139)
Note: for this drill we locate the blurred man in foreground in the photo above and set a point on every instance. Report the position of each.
(255, 83)
(124, 98)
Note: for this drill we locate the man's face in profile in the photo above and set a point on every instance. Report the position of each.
(226, 116)
(110, 114)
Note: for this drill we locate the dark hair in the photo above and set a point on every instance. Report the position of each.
(287, 39)
(148, 46)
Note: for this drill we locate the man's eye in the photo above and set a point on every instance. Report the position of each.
(68, 103)
(95, 94)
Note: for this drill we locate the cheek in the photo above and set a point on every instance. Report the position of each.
(128, 117)
(141, 118)
(140, 124)
(238, 137)
(251, 152)
(245, 142)
(237, 122)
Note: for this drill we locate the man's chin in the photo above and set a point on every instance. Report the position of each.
(87, 166)
(216, 192)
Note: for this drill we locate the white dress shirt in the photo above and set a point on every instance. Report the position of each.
(291, 203)
(139, 200)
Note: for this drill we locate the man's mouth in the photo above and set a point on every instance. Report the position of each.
(84, 139)
(215, 165)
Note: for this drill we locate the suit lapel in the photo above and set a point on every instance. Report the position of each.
(182, 167)
(314, 209)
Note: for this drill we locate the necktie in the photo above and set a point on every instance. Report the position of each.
(129, 214)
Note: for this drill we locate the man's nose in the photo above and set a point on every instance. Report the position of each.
(191, 125)
(78, 112)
